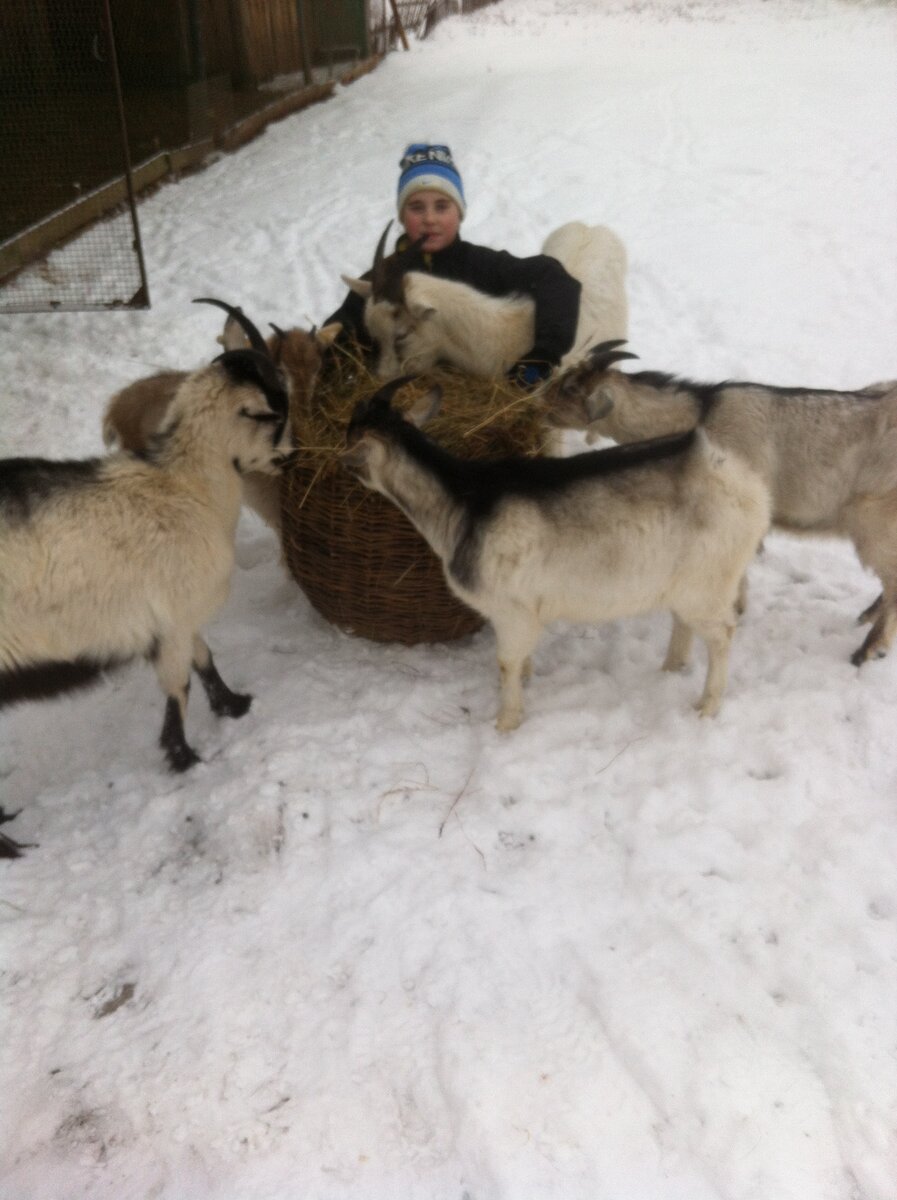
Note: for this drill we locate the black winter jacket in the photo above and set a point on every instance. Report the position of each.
(498, 273)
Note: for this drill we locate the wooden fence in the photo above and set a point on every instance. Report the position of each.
(196, 75)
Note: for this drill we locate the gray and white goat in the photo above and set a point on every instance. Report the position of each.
(828, 458)
(669, 524)
(110, 559)
(419, 320)
(136, 412)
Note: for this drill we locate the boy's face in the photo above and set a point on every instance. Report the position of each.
(432, 214)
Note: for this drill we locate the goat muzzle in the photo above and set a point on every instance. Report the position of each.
(284, 461)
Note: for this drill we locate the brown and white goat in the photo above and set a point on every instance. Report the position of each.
(134, 414)
(418, 320)
(828, 458)
(668, 524)
(110, 559)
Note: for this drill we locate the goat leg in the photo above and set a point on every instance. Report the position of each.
(679, 649)
(878, 639)
(717, 637)
(516, 635)
(180, 755)
(172, 661)
(222, 701)
(871, 613)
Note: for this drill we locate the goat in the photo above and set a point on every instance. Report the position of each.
(105, 560)
(135, 413)
(667, 524)
(419, 320)
(828, 458)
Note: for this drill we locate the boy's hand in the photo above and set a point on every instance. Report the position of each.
(528, 374)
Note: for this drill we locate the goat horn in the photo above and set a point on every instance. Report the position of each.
(386, 274)
(389, 389)
(604, 347)
(618, 356)
(255, 338)
(378, 275)
(606, 353)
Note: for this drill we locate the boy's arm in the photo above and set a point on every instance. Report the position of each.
(555, 293)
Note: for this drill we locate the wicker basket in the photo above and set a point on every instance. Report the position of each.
(359, 560)
(363, 566)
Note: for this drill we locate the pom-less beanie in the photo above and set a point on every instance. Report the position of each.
(432, 169)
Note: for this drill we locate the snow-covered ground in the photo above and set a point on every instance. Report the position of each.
(371, 949)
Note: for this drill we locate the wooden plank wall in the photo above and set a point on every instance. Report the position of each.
(271, 38)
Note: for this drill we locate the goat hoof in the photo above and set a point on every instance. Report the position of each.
(509, 723)
(864, 654)
(9, 847)
(182, 758)
(234, 705)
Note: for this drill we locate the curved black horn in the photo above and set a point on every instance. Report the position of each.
(386, 273)
(386, 393)
(378, 274)
(605, 347)
(606, 353)
(256, 341)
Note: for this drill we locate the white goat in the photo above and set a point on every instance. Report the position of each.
(419, 320)
(828, 458)
(136, 412)
(669, 524)
(109, 559)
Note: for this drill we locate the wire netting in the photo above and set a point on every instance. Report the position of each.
(65, 162)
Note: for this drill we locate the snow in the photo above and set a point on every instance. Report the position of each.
(371, 948)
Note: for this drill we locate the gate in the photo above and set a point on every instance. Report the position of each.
(63, 139)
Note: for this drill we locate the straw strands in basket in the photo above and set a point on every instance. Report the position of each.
(359, 560)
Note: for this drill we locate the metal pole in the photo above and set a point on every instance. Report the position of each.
(141, 296)
(303, 42)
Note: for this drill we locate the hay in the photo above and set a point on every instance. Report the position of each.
(358, 559)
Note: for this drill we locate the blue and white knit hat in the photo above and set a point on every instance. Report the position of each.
(432, 169)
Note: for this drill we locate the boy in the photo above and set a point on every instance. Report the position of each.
(431, 204)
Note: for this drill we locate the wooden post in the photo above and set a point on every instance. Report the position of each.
(398, 21)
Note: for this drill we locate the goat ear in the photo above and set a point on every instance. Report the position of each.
(420, 312)
(423, 411)
(599, 404)
(327, 336)
(233, 336)
(361, 287)
(256, 341)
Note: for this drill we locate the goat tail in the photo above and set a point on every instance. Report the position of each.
(42, 681)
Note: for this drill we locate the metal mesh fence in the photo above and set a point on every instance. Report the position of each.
(418, 17)
(65, 162)
(194, 75)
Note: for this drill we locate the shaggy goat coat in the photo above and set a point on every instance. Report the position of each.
(671, 524)
(828, 458)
